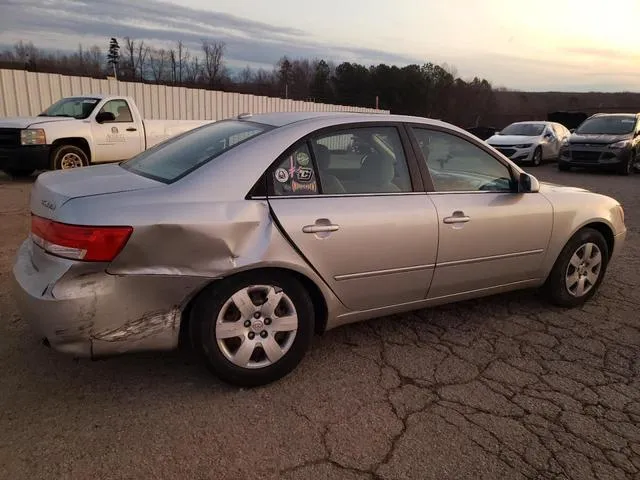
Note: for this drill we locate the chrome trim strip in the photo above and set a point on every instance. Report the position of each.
(374, 273)
(477, 192)
(488, 259)
(340, 195)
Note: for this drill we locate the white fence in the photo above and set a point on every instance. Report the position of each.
(25, 93)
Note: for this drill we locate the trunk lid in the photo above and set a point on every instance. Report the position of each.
(53, 189)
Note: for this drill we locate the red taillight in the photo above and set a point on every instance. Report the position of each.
(91, 244)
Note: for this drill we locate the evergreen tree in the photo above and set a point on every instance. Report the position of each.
(113, 57)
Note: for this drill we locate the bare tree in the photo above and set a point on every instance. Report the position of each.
(26, 53)
(173, 65)
(182, 59)
(142, 54)
(213, 65)
(246, 75)
(130, 57)
(193, 71)
(96, 60)
(159, 60)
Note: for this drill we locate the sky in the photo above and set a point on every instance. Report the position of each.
(566, 45)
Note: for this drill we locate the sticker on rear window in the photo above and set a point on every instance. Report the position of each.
(303, 159)
(303, 175)
(282, 175)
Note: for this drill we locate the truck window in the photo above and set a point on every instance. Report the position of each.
(74, 107)
(174, 158)
(120, 110)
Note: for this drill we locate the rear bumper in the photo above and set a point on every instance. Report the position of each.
(83, 311)
(31, 157)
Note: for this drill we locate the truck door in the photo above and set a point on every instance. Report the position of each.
(118, 139)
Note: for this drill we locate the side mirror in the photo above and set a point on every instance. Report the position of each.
(528, 183)
(104, 117)
(572, 130)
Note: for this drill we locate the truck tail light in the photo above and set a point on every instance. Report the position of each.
(75, 242)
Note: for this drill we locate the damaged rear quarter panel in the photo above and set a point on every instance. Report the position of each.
(208, 240)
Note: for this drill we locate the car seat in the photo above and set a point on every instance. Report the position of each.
(377, 174)
(330, 183)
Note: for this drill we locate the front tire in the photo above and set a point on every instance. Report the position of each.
(627, 168)
(67, 157)
(254, 328)
(579, 269)
(536, 161)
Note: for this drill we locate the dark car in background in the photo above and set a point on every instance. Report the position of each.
(604, 140)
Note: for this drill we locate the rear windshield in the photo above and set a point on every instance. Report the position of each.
(613, 125)
(524, 129)
(178, 156)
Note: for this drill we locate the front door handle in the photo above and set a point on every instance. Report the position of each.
(131, 129)
(457, 217)
(320, 228)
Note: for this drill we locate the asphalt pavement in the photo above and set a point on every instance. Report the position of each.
(505, 387)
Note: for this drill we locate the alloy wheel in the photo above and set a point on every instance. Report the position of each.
(583, 270)
(256, 327)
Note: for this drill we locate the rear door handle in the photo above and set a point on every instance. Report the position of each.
(320, 228)
(131, 129)
(457, 217)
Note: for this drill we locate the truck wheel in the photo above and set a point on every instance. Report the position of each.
(66, 157)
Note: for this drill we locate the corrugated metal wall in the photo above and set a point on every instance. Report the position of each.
(25, 93)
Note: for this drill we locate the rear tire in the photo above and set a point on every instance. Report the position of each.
(233, 340)
(579, 269)
(67, 157)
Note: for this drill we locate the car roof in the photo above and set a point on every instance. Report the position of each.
(619, 114)
(280, 119)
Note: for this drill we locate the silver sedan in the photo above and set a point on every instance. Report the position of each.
(245, 237)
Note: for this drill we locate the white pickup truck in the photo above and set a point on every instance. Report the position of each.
(80, 131)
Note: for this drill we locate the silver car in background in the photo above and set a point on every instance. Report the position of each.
(530, 142)
(245, 237)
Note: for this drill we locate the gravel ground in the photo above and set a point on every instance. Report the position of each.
(503, 387)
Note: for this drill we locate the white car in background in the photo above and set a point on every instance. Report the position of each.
(530, 142)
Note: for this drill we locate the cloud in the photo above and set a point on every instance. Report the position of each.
(602, 53)
(156, 21)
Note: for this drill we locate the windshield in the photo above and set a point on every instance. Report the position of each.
(180, 155)
(612, 125)
(78, 107)
(524, 129)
